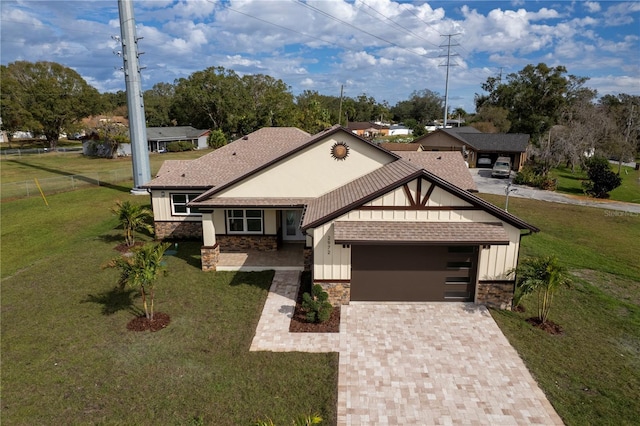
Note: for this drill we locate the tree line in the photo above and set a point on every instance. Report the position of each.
(564, 118)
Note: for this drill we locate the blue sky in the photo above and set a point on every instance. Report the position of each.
(382, 48)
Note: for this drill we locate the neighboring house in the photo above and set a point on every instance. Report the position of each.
(159, 137)
(375, 225)
(394, 146)
(95, 121)
(367, 129)
(399, 130)
(474, 145)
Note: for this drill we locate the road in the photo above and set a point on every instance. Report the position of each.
(488, 185)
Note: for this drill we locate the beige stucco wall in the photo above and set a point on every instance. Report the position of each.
(333, 261)
(313, 171)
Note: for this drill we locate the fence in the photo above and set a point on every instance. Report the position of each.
(18, 152)
(28, 188)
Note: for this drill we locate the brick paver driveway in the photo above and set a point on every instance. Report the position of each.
(414, 363)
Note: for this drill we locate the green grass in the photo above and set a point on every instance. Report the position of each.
(591, 373)
(67, 357)
(571, 183)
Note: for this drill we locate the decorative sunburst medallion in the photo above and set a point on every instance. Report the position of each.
(340, 151)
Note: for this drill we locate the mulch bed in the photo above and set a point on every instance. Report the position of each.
(159, 322)
(299, 323)
(549, 326)
(123, 248)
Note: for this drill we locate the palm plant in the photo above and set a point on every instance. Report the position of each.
(141, 270)
(543, 276)
(133, 218)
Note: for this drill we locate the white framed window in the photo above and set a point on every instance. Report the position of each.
(179, 205)
(244, 221)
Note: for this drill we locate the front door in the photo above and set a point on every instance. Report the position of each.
(291, 225)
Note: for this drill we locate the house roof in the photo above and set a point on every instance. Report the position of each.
(504, 142)
(449, 165)
(232, 161)
(395, 146)
(173, 133)
(262, 202)
(371, 186)
(394, 232)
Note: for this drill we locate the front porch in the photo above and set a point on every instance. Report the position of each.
(290, 256)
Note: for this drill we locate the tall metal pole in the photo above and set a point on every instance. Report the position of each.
(446, 87)
(135, 104)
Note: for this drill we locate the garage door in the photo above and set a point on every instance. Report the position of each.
(413, 273)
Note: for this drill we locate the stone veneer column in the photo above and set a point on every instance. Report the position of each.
(339, 293)
(210, 255)
(307, 254)
(495, 294)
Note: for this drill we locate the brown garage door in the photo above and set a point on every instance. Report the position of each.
(413, 273)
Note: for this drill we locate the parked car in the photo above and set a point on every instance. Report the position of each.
(502, 167)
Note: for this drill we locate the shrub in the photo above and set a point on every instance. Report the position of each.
(179, 146)
(317, 304)
(532, 175)
(216, 139)
(602, 179)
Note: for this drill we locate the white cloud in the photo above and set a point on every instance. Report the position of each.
(592, 6)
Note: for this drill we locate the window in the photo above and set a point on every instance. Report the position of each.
(179, 204)
(244, 221)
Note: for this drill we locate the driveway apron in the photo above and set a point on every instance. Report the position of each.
(413, 363)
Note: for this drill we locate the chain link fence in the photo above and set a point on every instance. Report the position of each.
(29, 188)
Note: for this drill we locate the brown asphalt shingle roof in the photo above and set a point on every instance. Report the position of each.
(368, 232)
(232, 161)
(449, 165)
(395, 146)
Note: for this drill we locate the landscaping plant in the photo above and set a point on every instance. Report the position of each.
(542, 276)
(602, 179)
(141, 270)
(132, 218)
(317, 304)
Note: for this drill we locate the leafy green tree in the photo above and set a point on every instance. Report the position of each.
(45, 98)
(543, 276)
(602, 179)
(534, 97)
(492, 119)
(216, 139)
(112, 135)
(272, 104)
(133, 218)
(142, 270)
(424, 106)
(157, 105)
(312, 115)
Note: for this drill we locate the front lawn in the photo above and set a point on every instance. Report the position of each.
(67, 357)
(571, 183)
(591, 373)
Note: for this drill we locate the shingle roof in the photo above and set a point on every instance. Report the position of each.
(449, 165)
(364, 125)
(224, 202)
(173, 133)
(358, 191)
(231, 161)
(395, 146)
(395, 232)
(504, 142)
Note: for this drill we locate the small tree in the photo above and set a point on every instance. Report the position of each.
(317, 304)
(141, 270)
(133, 218)
(216, 139)
(602, 179)
(543, 276)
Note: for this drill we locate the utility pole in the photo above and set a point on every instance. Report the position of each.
(447, 64)
(340, 110)
(135, 104)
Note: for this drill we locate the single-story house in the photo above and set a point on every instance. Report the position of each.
(395, 146)
(474, 144)
(368, 129)
(399, 130)
(159, 137)
(374, 225)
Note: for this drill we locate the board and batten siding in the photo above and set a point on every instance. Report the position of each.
(333, 261)
(161, 205)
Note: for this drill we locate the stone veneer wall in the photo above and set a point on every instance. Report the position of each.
(178, 230)
(307, 255)
(496, 294)
(339, 292)
(210, 257)
(248, 242)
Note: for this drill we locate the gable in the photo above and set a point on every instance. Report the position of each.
(441, 140)
(418, 194)
(312, 171)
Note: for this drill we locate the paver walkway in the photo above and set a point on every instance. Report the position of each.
(414, 363)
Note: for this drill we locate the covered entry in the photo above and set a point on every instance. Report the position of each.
(415, 261)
